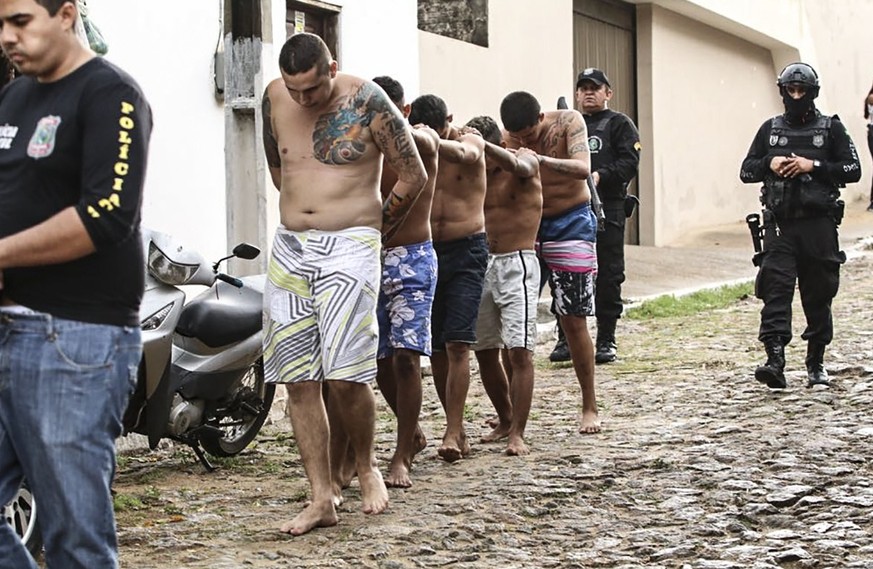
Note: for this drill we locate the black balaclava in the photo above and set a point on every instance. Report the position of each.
(797, 109)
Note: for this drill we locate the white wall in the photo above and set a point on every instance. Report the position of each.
(167, 46)
(530, 48)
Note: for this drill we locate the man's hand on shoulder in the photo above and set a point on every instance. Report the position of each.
(427, 140)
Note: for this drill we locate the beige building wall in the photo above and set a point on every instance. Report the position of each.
(706, 75)
(530, 48)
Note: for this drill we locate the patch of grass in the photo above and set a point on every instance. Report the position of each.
(126, 502)
(709, 299)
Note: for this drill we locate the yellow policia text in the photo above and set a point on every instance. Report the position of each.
(121, 167)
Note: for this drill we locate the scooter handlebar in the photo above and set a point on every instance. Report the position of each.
(233, 281)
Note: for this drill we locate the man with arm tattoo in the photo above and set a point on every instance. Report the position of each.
(567, 235)
(325, 134)
(409, 272)
(458, 226)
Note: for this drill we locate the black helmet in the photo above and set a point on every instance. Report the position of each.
(798, 73)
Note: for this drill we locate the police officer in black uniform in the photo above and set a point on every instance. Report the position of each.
(614, 142)
(803, 158)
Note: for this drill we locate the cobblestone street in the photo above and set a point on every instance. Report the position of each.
(698, 466)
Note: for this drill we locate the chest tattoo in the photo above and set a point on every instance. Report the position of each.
(339, 136)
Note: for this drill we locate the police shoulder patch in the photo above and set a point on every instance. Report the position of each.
(42, 143)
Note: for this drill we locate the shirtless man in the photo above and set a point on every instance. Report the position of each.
(566, 239)
(458, 225)
(508, 312)
(324, 137)
(409, 273)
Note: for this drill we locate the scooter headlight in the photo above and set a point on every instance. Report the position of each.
(154, 321)
(166, 270)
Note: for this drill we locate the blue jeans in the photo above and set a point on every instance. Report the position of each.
(64, 386)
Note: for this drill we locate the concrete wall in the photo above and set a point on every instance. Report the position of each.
(530, 49)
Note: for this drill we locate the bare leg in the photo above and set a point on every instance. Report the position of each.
(386, 378)
(582, 353)
(407, 371)
(521, 390)
(342, 455)
(455, 445)
(439, 364)
(497, 388)
(309, 421)
(356, 407)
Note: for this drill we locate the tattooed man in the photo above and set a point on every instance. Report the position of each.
(325, 134)
(458, 225)
(566, 240)
(409, 273)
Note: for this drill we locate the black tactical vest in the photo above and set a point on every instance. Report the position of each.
(804, 195)
(600, 146)
(810, 140)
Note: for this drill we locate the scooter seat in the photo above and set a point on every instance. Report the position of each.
(222, 315)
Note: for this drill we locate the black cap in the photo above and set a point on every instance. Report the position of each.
(595, 75)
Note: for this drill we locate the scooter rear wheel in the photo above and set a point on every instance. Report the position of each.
(238, 425)
(21, 515)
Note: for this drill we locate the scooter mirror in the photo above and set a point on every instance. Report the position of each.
(246, 251)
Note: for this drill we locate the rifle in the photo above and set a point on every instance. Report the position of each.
(763, 233)
(596, 204)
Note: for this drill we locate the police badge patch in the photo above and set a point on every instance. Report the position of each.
(783, 140)
(818, 140)
(594, 144)
(42, 143)
(774, 138)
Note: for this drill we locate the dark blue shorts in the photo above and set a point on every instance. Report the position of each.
(461, 265)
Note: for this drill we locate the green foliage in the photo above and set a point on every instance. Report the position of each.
(709, 299)
(125, 502)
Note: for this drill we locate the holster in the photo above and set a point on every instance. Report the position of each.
(631, 203)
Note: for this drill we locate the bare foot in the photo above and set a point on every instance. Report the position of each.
(313, 516)
(347, 469)
(398, 473)
(452, 450)
(516, 447)
(420, 440)
(374, 494)
(499, 432)
(590, 423)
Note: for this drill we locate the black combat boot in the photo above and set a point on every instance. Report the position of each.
(561, 353)
(771, 373)
(815, 371)
(605, 346)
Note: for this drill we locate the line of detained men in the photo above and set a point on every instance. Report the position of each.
(439, 251)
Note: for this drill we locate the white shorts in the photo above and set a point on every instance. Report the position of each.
(508, 312)
(320, 306)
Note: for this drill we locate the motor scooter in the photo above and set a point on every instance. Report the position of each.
(201, 377)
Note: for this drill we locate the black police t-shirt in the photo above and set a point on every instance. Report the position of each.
(81, 141)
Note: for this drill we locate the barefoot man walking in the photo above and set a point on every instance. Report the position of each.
(566, 241)
(508, 311)
(324, 137)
